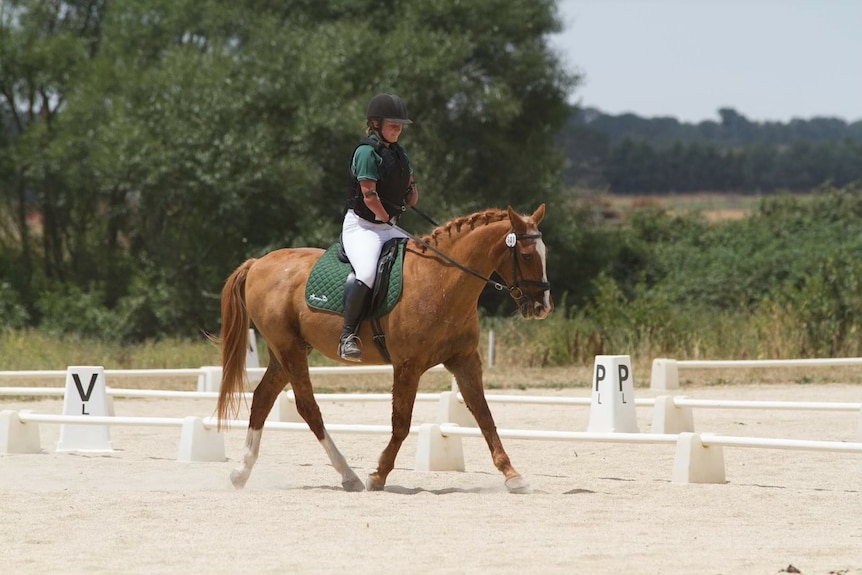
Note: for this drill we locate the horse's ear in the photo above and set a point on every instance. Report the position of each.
(538, 215)
(517, 221)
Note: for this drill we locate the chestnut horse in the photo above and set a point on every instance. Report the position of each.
(435, 321)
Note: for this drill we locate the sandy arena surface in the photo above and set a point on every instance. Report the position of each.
(597, 508)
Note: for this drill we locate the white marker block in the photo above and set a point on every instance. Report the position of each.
(85, 395)
(668, 418)
(695, 463)
(285, 408)
(613, 403)
(437, 452)
(200, 443)
(17, 436)
(452, 410)
(664, 374)
(210, 378)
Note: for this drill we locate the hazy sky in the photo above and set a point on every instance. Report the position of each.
(767, 59)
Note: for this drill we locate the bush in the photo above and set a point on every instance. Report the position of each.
(13, 314)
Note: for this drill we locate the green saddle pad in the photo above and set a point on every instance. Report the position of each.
(325, 287)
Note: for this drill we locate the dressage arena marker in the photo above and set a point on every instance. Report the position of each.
(85, 395)
(665, 372)
(613, 397)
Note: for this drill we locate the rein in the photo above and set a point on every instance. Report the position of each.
(511, 240)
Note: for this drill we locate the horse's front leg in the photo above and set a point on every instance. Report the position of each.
(468, 373)
(404, 386)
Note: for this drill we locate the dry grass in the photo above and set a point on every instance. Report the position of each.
(713, 207)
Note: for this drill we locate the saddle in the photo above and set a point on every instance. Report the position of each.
(324, 289)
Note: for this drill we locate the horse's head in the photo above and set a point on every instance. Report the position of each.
(525, 268)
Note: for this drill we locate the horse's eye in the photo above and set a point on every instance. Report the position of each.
(527, 257)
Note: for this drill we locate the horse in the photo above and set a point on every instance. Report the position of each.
(434, 322)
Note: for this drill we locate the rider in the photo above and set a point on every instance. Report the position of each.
(380, 187)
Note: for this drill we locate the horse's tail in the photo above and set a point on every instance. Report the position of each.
(234, 343)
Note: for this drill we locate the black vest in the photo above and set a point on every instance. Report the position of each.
(391, 186)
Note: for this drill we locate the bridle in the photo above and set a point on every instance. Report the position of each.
(512, 239)
(515, 290)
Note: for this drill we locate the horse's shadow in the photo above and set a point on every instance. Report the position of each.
(399, 490)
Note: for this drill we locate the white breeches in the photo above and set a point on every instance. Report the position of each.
(363, 241)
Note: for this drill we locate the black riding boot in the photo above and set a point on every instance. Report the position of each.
(356, 294)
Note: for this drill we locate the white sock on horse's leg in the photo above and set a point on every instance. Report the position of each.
(349, 479)
(252, 449)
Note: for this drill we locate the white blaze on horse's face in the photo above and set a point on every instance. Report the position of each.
(541, 310)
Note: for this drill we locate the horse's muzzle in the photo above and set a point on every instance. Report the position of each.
(537, 309)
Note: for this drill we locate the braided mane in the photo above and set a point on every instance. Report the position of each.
(453, 228)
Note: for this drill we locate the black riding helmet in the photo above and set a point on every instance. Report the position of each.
(388, 107)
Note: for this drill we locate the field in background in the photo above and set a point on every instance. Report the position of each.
(713, 207)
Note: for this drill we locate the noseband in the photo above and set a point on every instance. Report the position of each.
(515, 290)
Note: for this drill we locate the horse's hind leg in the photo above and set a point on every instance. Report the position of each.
(308, 409)
(273, 382)
(468, 373)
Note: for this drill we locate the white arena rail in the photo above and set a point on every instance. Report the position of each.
(699, 457)
(665, 372)
(254, 373)
(673, 414)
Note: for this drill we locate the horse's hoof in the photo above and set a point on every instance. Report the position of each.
(353, 484)
(373, 483)
(238, 478)
(518, 485)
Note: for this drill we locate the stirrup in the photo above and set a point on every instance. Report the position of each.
(350, 348)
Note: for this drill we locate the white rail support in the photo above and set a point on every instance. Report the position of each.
(438, 452)
(199, 442)
(664, 374)
(696, 462)
(17, 436)
(452, 409)
(669, 416)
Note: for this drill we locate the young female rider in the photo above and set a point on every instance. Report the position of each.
(380, 187)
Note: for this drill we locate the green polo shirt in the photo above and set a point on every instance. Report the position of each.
(366, 162)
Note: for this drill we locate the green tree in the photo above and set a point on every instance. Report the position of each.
(184, 135)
